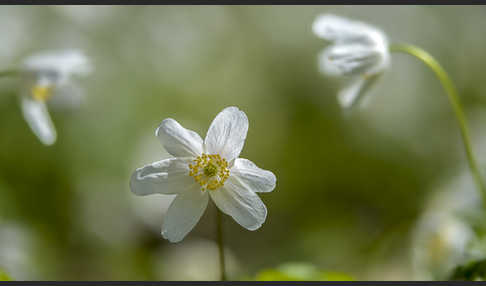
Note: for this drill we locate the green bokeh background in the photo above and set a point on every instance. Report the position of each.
(350, 184)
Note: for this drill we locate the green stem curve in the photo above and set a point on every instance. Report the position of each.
(446, 82)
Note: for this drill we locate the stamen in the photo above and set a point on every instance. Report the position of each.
(210, 171)
(41, 93)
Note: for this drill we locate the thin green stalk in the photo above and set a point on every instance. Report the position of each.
(446, 82)
(219, 226)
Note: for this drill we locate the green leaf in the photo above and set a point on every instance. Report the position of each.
(4, 276)
(472, 271)
(335, 276)
(274, 275)
(300, 272)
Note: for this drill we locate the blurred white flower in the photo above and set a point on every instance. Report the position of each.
(206, 169)
(357, 52)
(16, 251)
(47, 75)
(444, 238)
(441, 243)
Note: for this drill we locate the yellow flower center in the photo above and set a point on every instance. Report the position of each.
(210, 171)
(41, 93)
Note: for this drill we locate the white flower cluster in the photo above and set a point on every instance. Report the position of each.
(201, 170)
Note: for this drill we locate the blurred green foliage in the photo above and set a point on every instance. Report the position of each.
(350, 183)
(472, 271)
(300, 272)
(4, 276)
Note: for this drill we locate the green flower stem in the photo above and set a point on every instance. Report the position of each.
(446, 82)
(6, 73)
(219, 226)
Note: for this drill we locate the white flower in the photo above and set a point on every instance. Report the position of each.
(445, 235)
(202, 169)
(442, 241)
(358, 53)
(45, 75)
(17, 245)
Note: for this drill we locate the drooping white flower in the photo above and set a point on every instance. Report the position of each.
(357, 52)
(47, 75)
(205, 169)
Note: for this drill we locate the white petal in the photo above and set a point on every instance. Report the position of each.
(243, 205)
(184, 213)
(341, 60)
(339, 29)
(177, 140)
(36, 114)
(256, 179)
(169, 176)
(227, 133)
(355, 90)
(60, 63)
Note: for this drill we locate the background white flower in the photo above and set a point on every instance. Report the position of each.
(358, 53)
(444, 237)
(47, 75)
(203, 169)
(442, 241)
(17, 247)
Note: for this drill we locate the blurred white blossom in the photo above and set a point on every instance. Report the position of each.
(444, 237)
(357, 52)
(16, 251)
(203, 169)
(46, 75)
(440, 244)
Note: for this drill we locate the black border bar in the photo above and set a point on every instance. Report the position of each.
(243, 2)
(118, 283)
